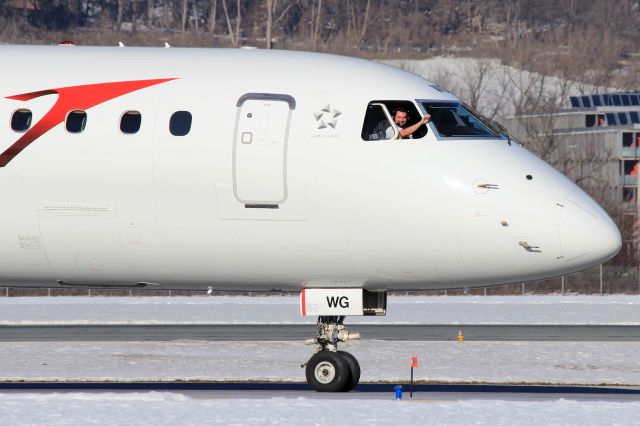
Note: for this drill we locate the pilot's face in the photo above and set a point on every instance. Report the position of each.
(401, 118)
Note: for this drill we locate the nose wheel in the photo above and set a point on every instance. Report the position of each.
(331, 370)
(354, 371)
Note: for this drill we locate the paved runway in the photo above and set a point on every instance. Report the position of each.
(299, 332)
(424, 392)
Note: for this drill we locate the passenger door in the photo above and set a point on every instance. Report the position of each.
(260, 148)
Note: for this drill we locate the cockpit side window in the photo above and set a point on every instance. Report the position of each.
(380, 121)
(377, 124)
(452, 119)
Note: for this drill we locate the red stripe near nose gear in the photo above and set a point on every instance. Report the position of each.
(70, 98)
(303, 302)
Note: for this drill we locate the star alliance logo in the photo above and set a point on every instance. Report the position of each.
(327, 117)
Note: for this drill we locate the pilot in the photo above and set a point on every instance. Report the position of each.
(401, 117)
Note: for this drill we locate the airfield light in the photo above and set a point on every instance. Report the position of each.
(414, 364)
(398, 390)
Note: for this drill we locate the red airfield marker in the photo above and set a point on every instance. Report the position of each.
(414, 364)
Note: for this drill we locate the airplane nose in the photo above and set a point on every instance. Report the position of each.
(587, 234)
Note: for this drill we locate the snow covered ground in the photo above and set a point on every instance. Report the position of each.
(381, 361)
(613, 363)
(159, 408)
(612, 310)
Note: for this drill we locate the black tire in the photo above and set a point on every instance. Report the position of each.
(354, 371)
(327, 372)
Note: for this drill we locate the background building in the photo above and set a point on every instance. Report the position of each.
(596, 143)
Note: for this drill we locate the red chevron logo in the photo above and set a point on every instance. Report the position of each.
(70, 98)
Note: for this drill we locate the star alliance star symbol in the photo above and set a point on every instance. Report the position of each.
(326, 117)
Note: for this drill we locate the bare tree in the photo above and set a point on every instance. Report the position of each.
(120, 13)
(238, 19)
(167, 15)
(269, 4)
(316, 13)
(358, 20)
(474, 75)
(212, 16)
(195, 15)
(229, 27)
(183, 17)
(149, 14)
(289, 4)
(512, 10)
(134, 17)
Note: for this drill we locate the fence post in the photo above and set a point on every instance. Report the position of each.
(601, 279)
(562, 285)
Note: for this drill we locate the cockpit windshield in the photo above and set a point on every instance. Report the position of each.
(455, 120)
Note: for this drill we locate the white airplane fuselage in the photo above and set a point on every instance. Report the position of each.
(273, 187)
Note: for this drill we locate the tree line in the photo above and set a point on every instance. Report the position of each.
(379, 26)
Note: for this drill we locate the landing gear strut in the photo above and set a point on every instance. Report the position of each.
(331, 370)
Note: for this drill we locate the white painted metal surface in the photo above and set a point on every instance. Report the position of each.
(336, 301)
(397, 214)
(260, 151)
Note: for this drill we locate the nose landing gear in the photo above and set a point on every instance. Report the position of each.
(331, 370)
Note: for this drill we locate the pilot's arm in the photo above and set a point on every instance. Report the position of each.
(408, 131)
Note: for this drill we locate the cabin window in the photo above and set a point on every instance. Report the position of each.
(21, 120)
(454, 120)
(385, 120)
(76, 121)
(130, 122)
(180, 123)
